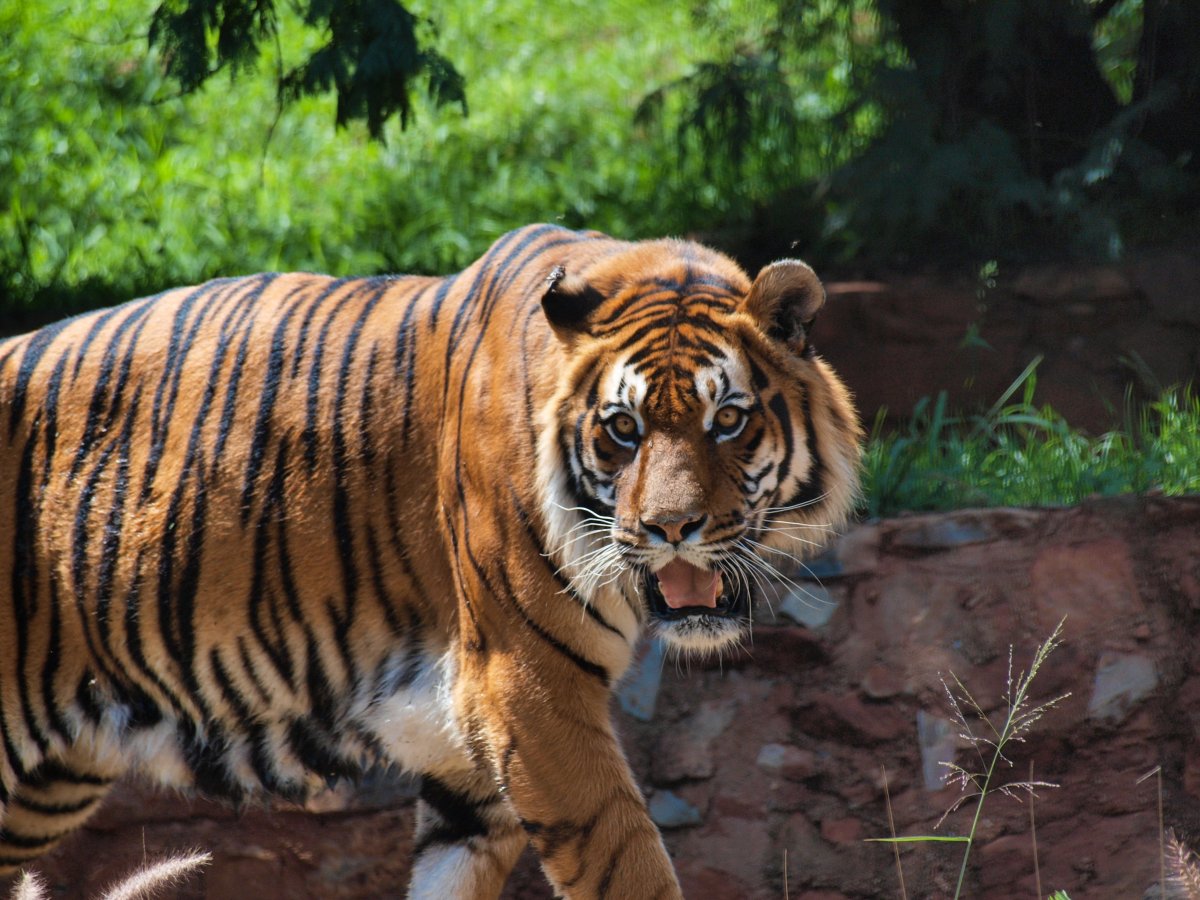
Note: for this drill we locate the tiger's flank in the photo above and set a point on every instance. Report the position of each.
(258, 534)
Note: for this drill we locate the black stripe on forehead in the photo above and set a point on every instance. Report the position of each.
(652, 299)
(685, 333)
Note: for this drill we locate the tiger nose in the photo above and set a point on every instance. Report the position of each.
(674, 529)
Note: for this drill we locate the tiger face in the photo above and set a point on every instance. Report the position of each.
(697, 446)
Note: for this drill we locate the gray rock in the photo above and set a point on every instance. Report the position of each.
(791, 762)
(857, 551)
(638, 692)
(938, 740)
(771, 756)
(827, 565)
(1122, 681)
(669, 810)
(941, 533)
(687, 752)
(813, 606)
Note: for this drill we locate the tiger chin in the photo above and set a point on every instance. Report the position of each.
(261, 532)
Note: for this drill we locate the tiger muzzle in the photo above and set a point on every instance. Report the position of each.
(680, 589)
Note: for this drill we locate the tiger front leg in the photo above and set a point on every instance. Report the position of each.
(467, 838)
(549, 739)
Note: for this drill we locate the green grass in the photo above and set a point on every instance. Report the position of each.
(1020, 454)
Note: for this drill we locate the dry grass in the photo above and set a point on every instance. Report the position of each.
(147, 882)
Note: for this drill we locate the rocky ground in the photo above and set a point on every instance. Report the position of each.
(769, 768)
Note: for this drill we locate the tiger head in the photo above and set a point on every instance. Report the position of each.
(696, 443)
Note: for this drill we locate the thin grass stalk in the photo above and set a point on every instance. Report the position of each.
(1017, 720)
(887, 799)
(1037, 871)
(1162, 850)
(983, 791)
(1162, 847)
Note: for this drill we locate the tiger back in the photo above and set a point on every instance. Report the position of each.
(258, 533)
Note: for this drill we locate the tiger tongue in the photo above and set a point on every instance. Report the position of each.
(683, 584)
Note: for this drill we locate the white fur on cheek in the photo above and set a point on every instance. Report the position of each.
(570, 537)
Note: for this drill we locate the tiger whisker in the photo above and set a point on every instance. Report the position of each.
(773, 573)
(802, 505)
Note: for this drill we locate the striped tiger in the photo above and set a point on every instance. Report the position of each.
(261, 533)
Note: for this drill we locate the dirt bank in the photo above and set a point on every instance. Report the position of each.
(1102, 330)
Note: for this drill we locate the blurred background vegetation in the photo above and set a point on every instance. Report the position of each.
(148, 143)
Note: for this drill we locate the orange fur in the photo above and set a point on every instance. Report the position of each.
(261, 530)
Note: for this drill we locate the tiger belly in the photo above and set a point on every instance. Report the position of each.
(403, 718)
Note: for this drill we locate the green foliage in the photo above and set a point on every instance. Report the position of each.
(371, 59)
(1017, 454)
(776, 112)
(112, 186)
(958, 129)
(181, 29)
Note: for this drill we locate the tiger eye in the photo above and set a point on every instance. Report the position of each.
(624, 426)
(728, 417)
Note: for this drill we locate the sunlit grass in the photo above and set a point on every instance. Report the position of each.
(1020, 454)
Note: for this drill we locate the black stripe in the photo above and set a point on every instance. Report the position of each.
(406, 354)
(815, 488)
(51, 771)
(261, 759)
(28, 841)
(133, 636)
(246, 324)
(35, 349)
(111, 540)
(778, 406)
(251, 670)
(458, 816)
(312, 400)
(315, 748)
(544, 555)
(54, 809)
(379, 583)
(366, 409)
(24, 584)
(267, 396)
(262, 599)
(101, 396)
(506, 594)
(610, 870)
(469, 300)
(757, 375)
(170, 379)
(204, 753)
(343, 520)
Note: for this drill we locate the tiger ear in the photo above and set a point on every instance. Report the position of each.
(568, 303)
(785, 299)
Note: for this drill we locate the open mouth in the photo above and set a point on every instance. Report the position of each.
(679, 589)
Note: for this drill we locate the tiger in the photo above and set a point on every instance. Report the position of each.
(263, 533)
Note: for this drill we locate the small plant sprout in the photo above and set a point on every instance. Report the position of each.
(990, 742)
